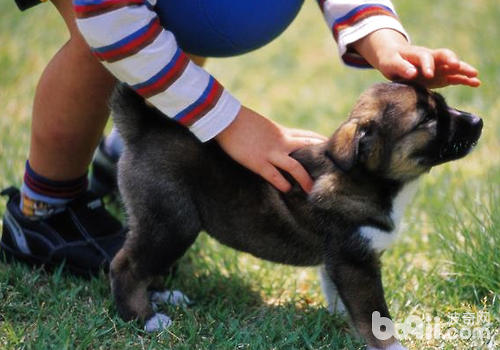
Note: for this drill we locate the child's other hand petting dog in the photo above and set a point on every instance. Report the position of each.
(389, 52)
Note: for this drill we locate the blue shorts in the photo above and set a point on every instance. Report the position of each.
(221, 28)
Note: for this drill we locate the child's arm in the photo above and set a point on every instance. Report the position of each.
(127, 37)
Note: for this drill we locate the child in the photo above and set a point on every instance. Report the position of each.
(362, 31)
(136, 41)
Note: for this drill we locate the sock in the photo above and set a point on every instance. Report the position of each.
(113, 144)
(42, 197)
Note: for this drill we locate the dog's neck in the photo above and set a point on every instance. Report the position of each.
(379, 238)
(387, 198)
(402, 199)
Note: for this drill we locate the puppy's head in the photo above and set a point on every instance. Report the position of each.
(399, 131)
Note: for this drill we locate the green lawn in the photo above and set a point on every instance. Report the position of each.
(447, 262)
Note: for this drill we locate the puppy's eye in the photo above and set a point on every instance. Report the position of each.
(426, 118)
(367, 129)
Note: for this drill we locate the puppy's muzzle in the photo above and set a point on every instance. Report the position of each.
(466, 130)
(467, 124)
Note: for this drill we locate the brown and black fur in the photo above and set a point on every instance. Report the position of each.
(173, 187)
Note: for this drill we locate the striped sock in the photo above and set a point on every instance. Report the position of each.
(42, 197)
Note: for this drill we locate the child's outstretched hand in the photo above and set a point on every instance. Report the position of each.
(389, 52)
(264, 147)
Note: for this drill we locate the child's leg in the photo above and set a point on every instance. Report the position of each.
(69, 114)
(70, 108)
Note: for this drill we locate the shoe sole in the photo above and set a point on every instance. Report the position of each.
(9, 255)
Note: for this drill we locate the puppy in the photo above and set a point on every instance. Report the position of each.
(173, 187)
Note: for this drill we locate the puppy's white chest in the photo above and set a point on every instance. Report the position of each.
(380, 240)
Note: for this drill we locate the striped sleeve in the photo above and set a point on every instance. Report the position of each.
(126, 35)
(351, 20)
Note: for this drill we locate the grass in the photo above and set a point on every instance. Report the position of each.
(446, 263)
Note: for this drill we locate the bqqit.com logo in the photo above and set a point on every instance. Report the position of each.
(474, 328)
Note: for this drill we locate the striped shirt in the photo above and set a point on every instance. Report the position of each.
(126, 35)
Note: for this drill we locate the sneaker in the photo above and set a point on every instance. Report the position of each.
(84, 235)
(102, 180)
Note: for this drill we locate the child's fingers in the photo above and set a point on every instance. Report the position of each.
(467, 70)
(269, 172)
(462, 68)
(300, 142)
(449, 64)
(294, 168)
(446, 57)
(463, 80)
(421, 58)
(296, 142)
(306, 134)
(398, 68)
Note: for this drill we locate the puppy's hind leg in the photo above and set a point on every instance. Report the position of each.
(132, 271)
(159, 235)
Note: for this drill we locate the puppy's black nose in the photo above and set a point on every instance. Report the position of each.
(467, 122)
(477, 125)
(474, 120)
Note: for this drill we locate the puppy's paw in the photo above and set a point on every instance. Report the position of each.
(394, 346)
(172, 297)
(157, 323)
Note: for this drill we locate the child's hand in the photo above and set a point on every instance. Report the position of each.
(264, 146)
(389, 52)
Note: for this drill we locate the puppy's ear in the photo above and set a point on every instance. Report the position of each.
(343, 146)
(351, 144)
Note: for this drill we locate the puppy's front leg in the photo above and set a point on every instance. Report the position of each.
(335, 304)
(359, 284)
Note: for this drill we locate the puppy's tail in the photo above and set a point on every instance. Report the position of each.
(129, 112)
(134, 117)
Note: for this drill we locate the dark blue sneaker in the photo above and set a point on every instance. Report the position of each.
(102, 179)
(84, 236)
